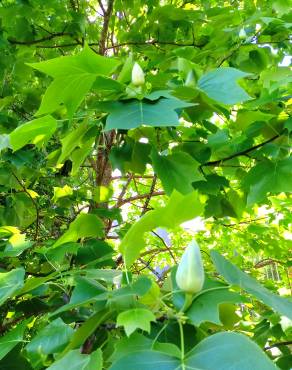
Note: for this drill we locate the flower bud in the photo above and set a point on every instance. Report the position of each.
(137, 75)
(190, 272)
(242, 34)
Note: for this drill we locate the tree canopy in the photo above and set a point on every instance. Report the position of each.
(128, 129)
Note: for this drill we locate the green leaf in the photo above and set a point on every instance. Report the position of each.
(268, 177)
(11, 339)
(228, 351)
(235, 276)
(206, 306)
(221, 85)
(10, 282)
(137, 318)
(176, 171)
(147, 360)
(74, 360)
(35, 132)
(73, 78)
(179, 209)
(84, 226)
(51, 339)
(134, 113)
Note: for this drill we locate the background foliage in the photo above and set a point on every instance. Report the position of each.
(103, 183)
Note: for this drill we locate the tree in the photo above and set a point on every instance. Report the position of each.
(121, 121)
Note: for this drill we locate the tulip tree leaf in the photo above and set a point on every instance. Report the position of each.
(235, 276)
(11, 339)
(84, 226)
(137, 318)
(221, 85)
(134, 113)
(51, 339)
(179, 209)
(74, 360)
(10, 282)
(73, 78)
(176, 171)
(33, 132)
(206, 306)
(146, 360)
(268, 177)
(220, 352)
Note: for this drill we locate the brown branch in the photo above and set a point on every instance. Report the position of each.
(147, 201)
(166, 246)
(140, 196)
(242, 153)
(34, 204)
(153, 43)
(104, 31)
(33, 42)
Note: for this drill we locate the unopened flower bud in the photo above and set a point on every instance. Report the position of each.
(190, 272)
(138, 78)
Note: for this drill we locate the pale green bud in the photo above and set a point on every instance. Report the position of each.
(242, 34)
(190, 272)
(138, 78)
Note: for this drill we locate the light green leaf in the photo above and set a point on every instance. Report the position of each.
(34, 132)
(73, 78)
(268, 177)
(206, 306)
(84, 226)
(10, 282)
(235, 276)
(74, 360)
(137, 318)
(52, 339)
(11, 339)
(179, 209)
(221, 85)
(228, 351)
(135, 113)
(176, 171)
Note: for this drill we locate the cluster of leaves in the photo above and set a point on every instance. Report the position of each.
(94, 170)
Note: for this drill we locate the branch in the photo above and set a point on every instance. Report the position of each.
(104, 31)
(243, 152)
(33, 42)
(153, 43)
(146, 204)
(139, 196)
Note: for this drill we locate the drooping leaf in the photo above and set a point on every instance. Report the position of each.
(73, 78)
(179, 209)
(221, 85)
(176, 171)
(11, 339)
(34, 132)
(51, 339)
(10, 282)
(134, 113)
(74, 360)
(84, 226)
(237, 277)
(137, 318)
